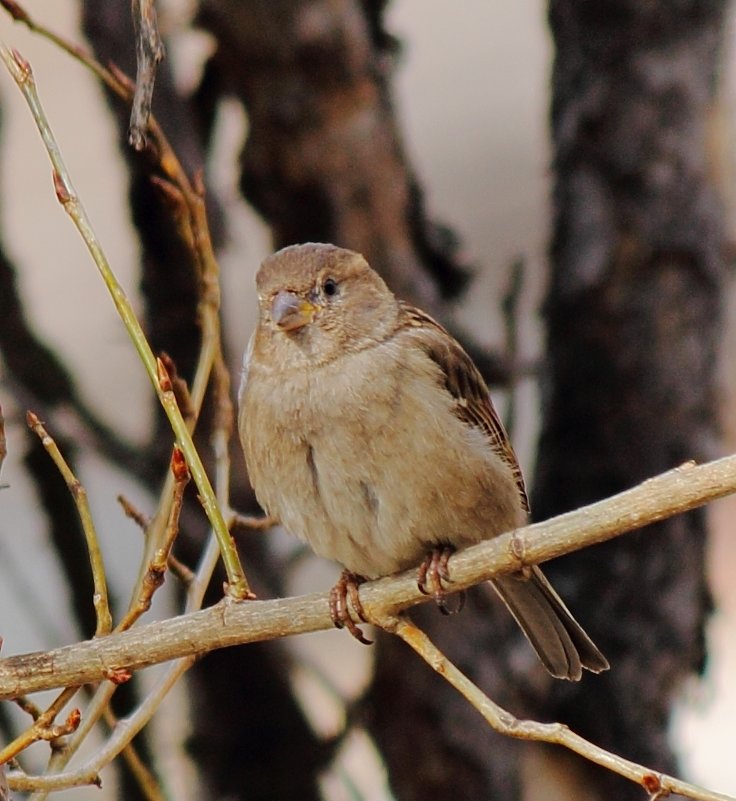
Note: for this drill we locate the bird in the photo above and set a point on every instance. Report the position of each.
(370, 434)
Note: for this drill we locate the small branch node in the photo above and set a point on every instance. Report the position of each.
(63, 195)
(164, 382)
(179, 466)
(517, 548)
(118, 675)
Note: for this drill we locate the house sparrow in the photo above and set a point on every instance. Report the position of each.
(370, 434)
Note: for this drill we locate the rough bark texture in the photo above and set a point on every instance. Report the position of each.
(634, 321)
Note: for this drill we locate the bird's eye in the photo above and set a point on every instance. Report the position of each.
(329, 287)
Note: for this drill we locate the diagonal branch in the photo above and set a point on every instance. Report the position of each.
(234, 623)
(657, 785)
(79, 495)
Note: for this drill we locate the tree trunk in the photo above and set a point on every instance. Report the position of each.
(634, 321)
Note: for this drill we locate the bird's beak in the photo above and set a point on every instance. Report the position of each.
(290, 312)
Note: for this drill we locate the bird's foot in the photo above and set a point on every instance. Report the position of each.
(347, 588)
(434, 575)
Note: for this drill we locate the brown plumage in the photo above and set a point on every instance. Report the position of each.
(370, 434)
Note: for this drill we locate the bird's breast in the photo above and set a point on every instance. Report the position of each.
(365, 460)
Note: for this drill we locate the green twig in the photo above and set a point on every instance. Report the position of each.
(79, 495)
(21, 72)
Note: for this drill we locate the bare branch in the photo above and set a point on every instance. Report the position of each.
(22, 73)
(125, 730)
(658, 785)
(147, 782)
(42, 727)
(156, 572)
(178, 568)
(232, 623)
(79, 496)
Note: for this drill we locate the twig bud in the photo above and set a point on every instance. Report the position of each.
(179, 466)
(164, 381)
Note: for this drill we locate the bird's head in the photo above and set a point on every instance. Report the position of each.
(317, 301)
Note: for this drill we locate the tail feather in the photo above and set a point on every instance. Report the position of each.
(559, 640)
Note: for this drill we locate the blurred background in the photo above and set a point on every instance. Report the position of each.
(468, 127)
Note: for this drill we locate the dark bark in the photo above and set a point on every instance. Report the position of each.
(634, 320)
(249, 742)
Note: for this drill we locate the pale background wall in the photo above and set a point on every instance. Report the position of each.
(482, 152)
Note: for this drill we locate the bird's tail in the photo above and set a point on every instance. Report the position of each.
(559, 640)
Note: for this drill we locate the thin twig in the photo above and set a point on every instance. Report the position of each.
(237, 585)
(125, 730)
(147, 782)
(116, 81)
(133, 513)
(190, 214)
(21, 72)
(100, 703)
(658, 785)
(43, 725)
(249, 523)
(180, 388)
(157, 568)
(177, 567)
(28, 707)
(79, 495)
(192, 219)
(193, 227)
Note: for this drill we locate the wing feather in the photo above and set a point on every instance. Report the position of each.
(464, 382)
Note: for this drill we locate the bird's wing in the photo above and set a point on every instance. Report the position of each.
(464, 382)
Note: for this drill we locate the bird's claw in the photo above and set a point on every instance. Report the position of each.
(434, 574)
(347, 588)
